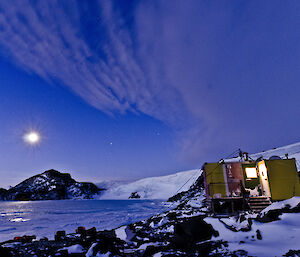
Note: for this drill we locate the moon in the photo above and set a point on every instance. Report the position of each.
(32, 137)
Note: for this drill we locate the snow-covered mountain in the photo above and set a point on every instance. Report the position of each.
(50, 185)
(154, 187)
(293, 151)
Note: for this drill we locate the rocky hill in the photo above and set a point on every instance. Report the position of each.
(50, 185)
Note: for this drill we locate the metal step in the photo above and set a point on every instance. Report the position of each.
(258, 197)
(261, 202)
(257, 204)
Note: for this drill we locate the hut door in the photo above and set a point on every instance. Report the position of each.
(264, 179)
(233, 180)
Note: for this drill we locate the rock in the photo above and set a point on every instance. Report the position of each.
(198, 186)
(258, 235)
(239, 223)
(4, 252)
(108, 243)
(292, 253)
(134, 195)
(192, 230)
(270, 216)
(3, 194)
(273, 214)
(60, 235)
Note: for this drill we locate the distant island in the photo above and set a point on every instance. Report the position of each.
(50, 185)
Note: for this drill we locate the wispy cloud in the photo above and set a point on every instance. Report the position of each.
(46, 39)
(187, 63)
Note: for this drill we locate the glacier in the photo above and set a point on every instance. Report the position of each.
(162, 187)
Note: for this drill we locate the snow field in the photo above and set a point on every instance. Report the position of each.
(155, 187)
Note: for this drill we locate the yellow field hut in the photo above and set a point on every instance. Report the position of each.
(234, 186)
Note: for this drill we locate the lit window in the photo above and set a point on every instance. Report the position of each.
(251, 173)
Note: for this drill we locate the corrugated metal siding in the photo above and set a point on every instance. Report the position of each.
(283, 179)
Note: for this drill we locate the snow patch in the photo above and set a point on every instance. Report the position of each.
(121, 233)
(144, 246)
(19, 220)
(74, 249)
(278, 237)
(90, 252)
(292, 203)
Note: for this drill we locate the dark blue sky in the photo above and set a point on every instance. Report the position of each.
(130, 89)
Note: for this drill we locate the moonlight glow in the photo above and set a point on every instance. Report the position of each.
(32, 137)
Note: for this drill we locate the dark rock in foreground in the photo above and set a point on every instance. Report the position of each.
(50, 185)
